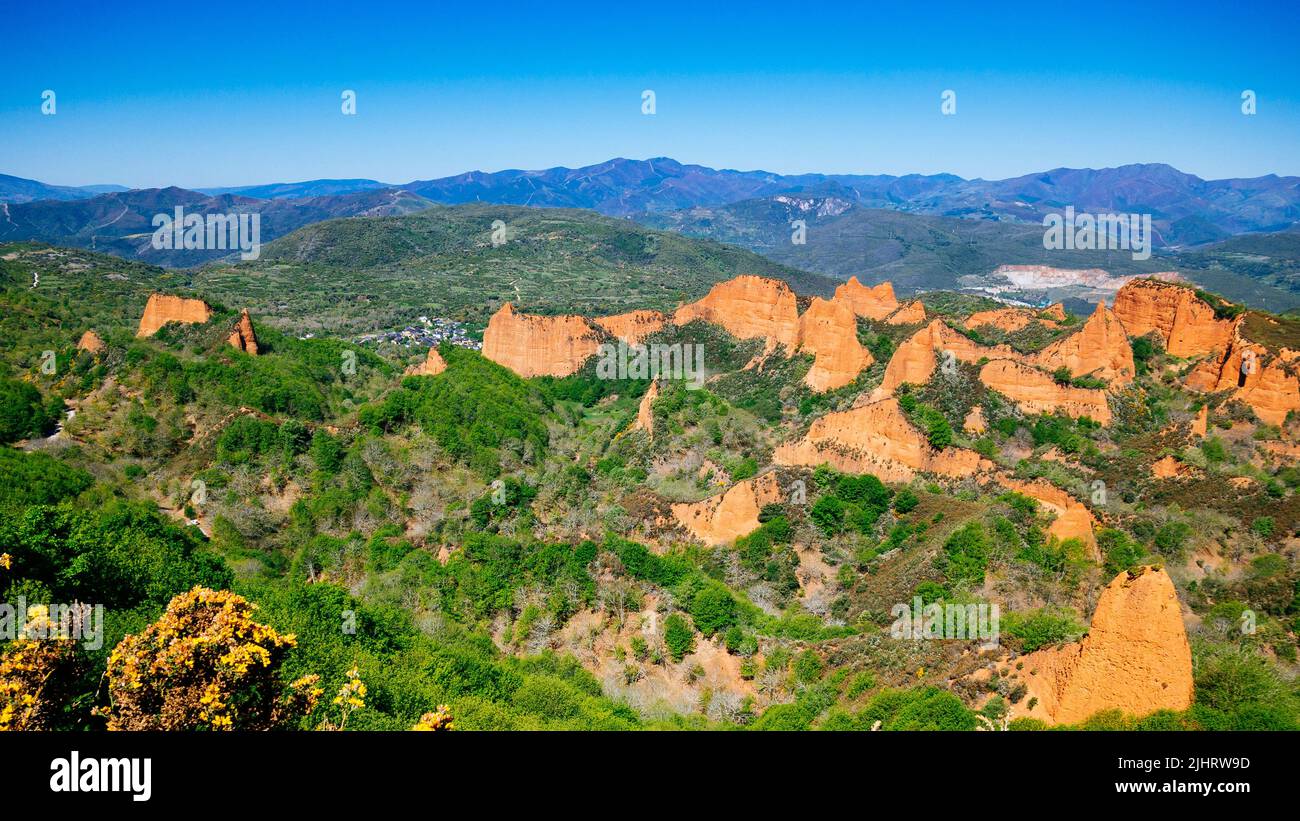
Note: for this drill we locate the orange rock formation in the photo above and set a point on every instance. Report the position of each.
(1100, 348)
(91, 343)
(974, 421)
(633, 326)
(876, 438)
(748, 307)
(1265, 382)
(1036, 392)
(1185, 323)
(539, 345)
(910, 314)
(1168, 468)
(163, 308)
(242, 336)
(645, 416)
(1073, 519)
(432, 365)
(829, 330)
(1135, 657)
(726, 517)
(915, 360)
(1201, 421)
(1004, 319)
(871, 303)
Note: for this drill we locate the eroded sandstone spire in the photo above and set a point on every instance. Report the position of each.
(748, 307)
(432, 365)
(829, 331)
(1135, 657)
(645, 414)
(242, 336)
(877, 302)
(90, 343)
(1265, 381)
(1100, 348)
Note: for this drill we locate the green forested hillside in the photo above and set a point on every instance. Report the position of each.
(508, 547)
(355, 275)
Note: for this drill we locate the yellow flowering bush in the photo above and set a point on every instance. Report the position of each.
(27, 667)
(437, 721)
(205, 664)
(351, 697)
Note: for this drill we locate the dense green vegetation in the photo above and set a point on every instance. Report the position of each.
(509, 548)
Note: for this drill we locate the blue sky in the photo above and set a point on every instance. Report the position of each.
(232, 94)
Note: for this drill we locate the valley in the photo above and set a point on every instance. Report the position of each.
(527, 543)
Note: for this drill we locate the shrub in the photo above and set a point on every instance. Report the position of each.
(808, 666)
(205, 664)
(1172, 537)
(678, 637)
(828, 514)
(1040, 628)
(23, 413)
(713, 609)
(1121, 551)
(965, 554)
(1262, 527)
(905, 501)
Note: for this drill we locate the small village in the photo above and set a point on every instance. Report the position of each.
(425, 333)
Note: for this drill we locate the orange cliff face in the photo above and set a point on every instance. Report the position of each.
(1135, 657)
(1004, 319)
(633, 326)
(870, 303)
(1185, 323)
(539, 345)
(724, 518)
(748, 307)
(876, 438)
(242, 336)
(163, 308)
(910, 314)
(829, 330)
(1267, 383)
(432, 365)
(1073, 519)
(1034, 391)
(1100, 348)
(915, 360)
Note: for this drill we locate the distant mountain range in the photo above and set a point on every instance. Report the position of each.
(922, 231)
(1185, 209)
(122, 223)
(17, 189)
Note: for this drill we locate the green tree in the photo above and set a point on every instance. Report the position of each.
(678, 637)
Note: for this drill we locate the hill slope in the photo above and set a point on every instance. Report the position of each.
(360, 274)
(122, 223)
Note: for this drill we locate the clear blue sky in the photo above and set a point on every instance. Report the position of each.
(208, 94)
